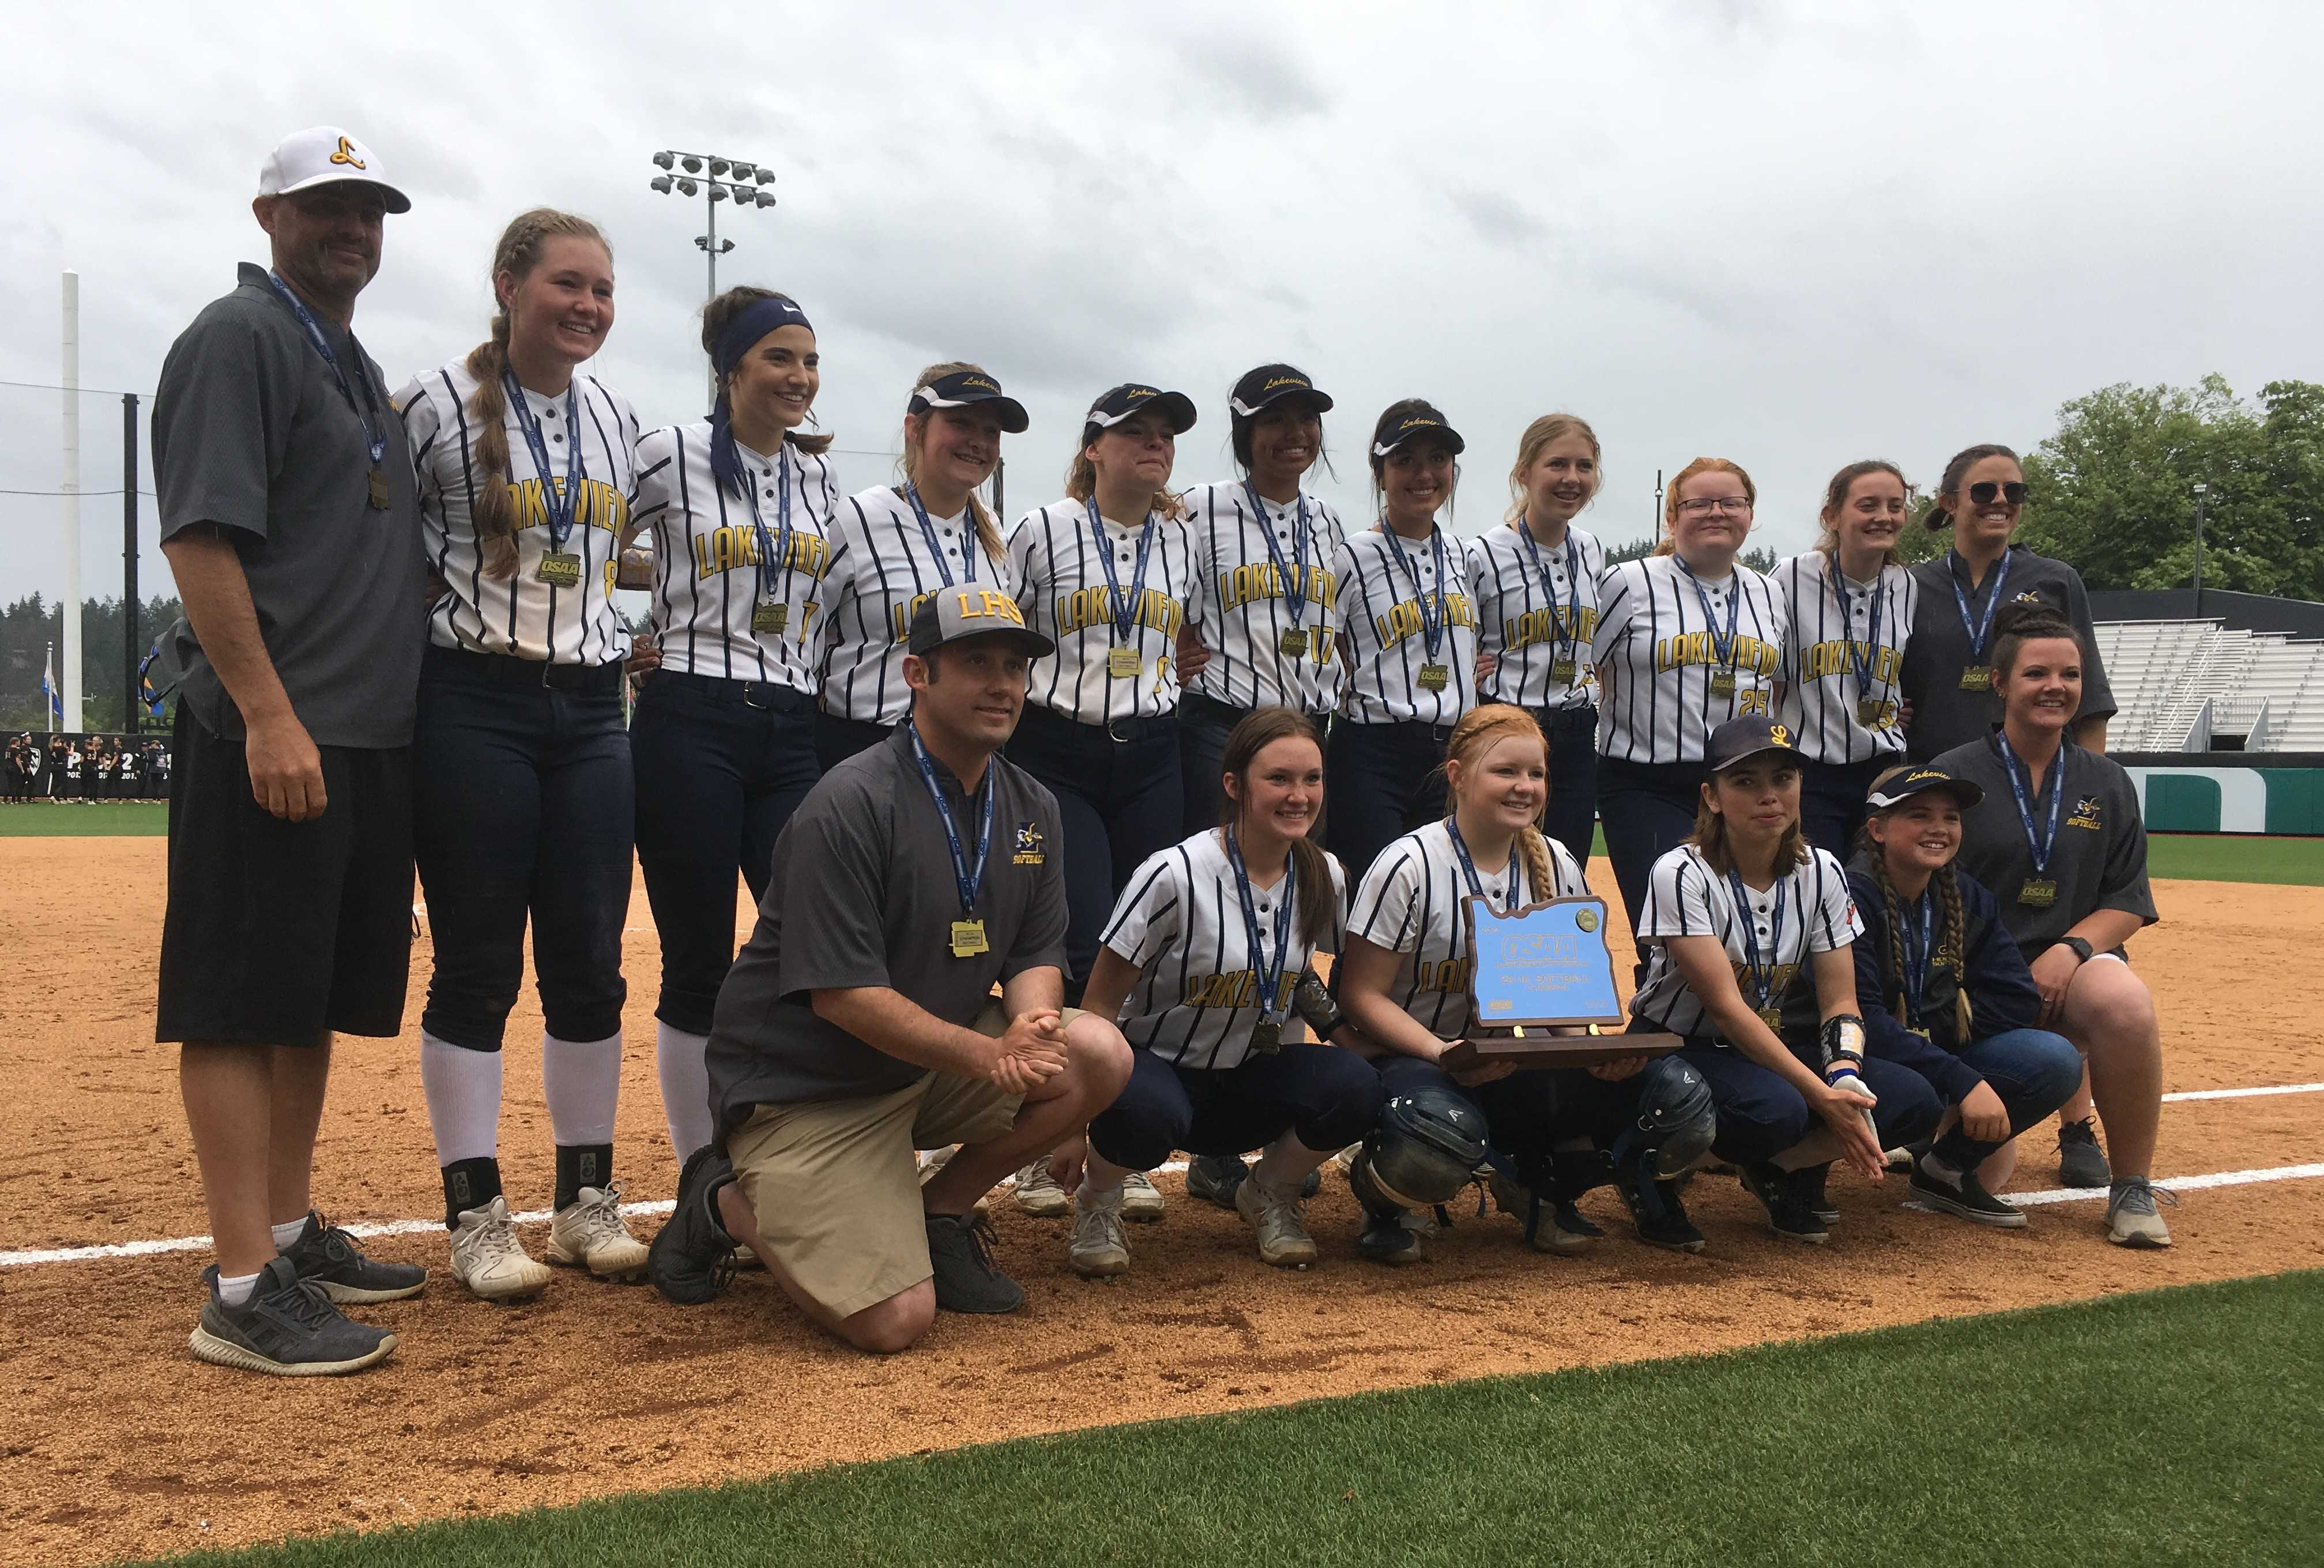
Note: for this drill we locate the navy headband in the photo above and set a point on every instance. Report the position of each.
(758, 318)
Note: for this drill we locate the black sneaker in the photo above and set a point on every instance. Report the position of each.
(1387, 1239)
(1965, 1196)
(1812, 1194)
(288, 1328)
(2081, 1163)
(965, 1278)
(691, 1259)
(1780, 1192)
(328, 1256)
(1659, 1215)
(1213, 1178)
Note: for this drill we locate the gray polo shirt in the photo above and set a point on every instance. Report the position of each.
(2099, 859)
(252, 433)
(862, 894)
(1943, 715)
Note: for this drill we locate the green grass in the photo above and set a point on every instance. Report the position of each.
(2235, 858)
(2171, 1426)
(97, 819)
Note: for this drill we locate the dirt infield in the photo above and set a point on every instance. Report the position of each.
(114, 1441)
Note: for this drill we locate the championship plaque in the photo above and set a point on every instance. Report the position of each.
(637, 568)
(1543, 986)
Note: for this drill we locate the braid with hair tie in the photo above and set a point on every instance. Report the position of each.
(1541, 870)
(1894, 907)
(1956, 938)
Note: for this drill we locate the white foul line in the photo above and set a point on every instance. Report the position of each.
(2244, 1093)
(2222, 1179)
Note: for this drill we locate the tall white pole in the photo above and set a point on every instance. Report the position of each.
(71, 378)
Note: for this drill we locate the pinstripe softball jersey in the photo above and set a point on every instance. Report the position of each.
(1068, 595)
(708, 549)
(521, 614)
(1384, 584)
(1246, 612)
(1661, 662)
(1839, 656)
(1536, 612)
(1181, 921)
(1414, 903)
(1685, 897)
(881, 571)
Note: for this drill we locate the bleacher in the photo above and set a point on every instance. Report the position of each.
(2199, 685)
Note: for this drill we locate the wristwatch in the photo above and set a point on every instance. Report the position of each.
(2079, 948)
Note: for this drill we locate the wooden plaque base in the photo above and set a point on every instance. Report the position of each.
(1546, 1050)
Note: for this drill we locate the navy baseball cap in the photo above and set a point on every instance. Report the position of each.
(964, 388)
(1271, 383)
(1901, 784)
(1134, 397)
(952, 615)
(1737, 741)
(1395, 429)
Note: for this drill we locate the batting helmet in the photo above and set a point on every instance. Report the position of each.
(1424, 1148)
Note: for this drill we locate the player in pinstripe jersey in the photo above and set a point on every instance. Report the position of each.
(1737, 916)
(1849, 608)
(723, 737)
(1536, 582)
(520, 761)
(894, 545)
(1687, 638)
(1410, 646)
(1201, 962)
(1108, 573)
(1264, 549)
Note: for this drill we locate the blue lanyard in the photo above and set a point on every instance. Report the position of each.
(558, 504)
(2041, 846)
(1270, 969)
(970, 879)
(1721, 652)
(1863, 667)
(1917, 944)
(1125, 610)
(1432, 616)
(1573, 627)
(1763, 976)
(377, 440)
(1295, 576)
(968, 544)
(1468, 867)
(776, 552)
(1978, 628)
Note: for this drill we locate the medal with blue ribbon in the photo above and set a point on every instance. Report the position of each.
(968, 547)
(1917, 941)
(1565, 647)
(2040, 890)
(1868, 705)
(1764, 1000)
(1122, 658)
(1267, 1035)
(1722, 651)
(1431, 606)
(375, 438)
(1977, 675)
(558, 569)
(773, 612)
(1293, 643)
(968, 934)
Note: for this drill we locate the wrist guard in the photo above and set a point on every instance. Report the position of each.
(1843, 1039)
(1315, 1006)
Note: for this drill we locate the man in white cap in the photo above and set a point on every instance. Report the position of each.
(290, 517)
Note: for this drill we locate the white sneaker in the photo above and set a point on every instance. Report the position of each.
(488, 1259)
(1141, 1200)
(933, 1160)
(1099, 1250)
(1038, 1193)
(589, 1230)
(1273, 1215)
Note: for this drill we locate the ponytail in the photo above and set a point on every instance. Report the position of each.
(1958, 470)
(1541, 870)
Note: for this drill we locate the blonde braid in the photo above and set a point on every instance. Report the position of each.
(1541, 870)
(1950, 951)
(492, 499)
(1895, 908)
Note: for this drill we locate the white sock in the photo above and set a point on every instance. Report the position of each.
(464, 1099)
(1936, 1169)
(582, 1081)
(1088, 1196)
(685, 1086)
(234, 1290)
(288, 1232)
(1285, 1162)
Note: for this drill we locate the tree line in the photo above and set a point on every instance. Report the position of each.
(33, 624)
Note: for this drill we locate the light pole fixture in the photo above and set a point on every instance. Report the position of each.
(734, 179)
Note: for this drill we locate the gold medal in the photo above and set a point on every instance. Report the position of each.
(561, 570)
(1772, 1015)
(1561, 670)
(378, 485)
(2037, 892)
(1267, 1037)
(1868, 712)
(1293, 643)
(1122, 663)
(1434, 678)
(771, 618)
(1722, 683)
(1977, 677)
(968, 938)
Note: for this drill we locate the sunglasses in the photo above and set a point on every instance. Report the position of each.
(1982, 494)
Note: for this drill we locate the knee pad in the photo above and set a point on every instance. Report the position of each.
(1426, 1146)
(1675, 1121)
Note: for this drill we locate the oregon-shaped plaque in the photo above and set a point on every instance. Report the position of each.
(1544, 990)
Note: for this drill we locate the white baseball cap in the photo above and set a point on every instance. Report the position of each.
(321, 156)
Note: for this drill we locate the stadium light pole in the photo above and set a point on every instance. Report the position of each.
(714, 179)
(2202, 495)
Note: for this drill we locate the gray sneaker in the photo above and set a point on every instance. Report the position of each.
(328, 1256)
(965, 1278)
(1099, 1250)
(1141, 1200)
(2081, 1163)
(288, 1328)
(1213, 1178)
(2131, 1217)
(1273, 1215)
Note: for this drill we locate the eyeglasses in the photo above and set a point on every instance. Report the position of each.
(1982, 494)
(1719, 503)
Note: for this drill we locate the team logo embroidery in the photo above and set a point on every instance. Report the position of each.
(1779, 734)
(1029, 846)
(346, 155)
(2029, 597)
(2086, 813)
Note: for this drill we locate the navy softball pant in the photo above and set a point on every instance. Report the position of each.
(837, 738)
(1832, 802)
(1118, 801)
(1761, 1114)
(1327, 1097)
(1380, 782)
(2034, 1072)
(1527, 1114)
(523, 805)
(720, 766)
(1648, 810)
(1571, 815)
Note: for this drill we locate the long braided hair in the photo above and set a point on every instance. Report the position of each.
(1950, 944)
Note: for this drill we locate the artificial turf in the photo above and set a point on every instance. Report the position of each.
(2162, 1427)
(89, 819)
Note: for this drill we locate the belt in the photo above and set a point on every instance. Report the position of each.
(1121, 731)
(1575, 717)
(1194, 704)
(764, 695)
(507, 669)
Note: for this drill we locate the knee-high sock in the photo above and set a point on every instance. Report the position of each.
(685, 1087)
(582, 1081)
(464, 1099)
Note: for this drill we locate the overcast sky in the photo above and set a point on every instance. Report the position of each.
(1793, 236)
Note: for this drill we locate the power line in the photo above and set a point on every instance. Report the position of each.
(116, 490)
(59, 386)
